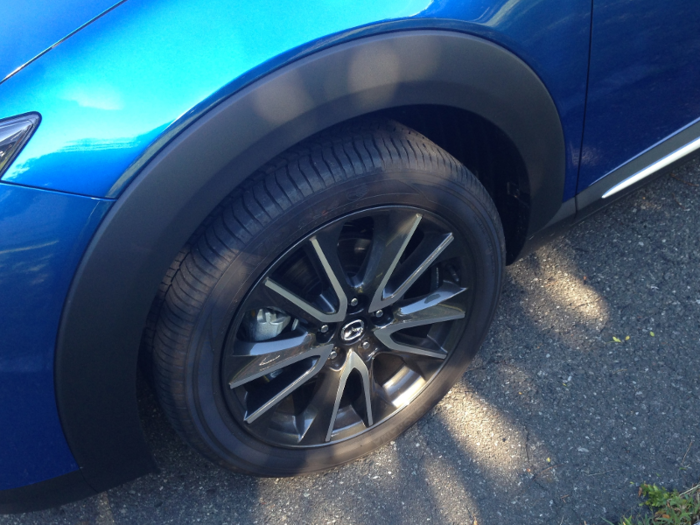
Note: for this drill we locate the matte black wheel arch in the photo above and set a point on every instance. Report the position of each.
(111, 293)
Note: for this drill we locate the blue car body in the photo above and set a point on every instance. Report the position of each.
(133, 98)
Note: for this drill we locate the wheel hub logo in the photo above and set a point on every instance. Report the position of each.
(352, 330)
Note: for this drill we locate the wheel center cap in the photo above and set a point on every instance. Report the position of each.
(352, 331)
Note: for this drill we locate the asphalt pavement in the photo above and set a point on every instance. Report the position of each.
(587, 385)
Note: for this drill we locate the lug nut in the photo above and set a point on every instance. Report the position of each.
(365, 345)
(324, 328)
(333, 354)
(354, 301)
(378, 313)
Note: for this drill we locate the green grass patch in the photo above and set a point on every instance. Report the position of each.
(668, 508)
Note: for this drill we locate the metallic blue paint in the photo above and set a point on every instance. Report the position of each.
(144, 70)
(43, 238)
(33, 26)
(644, 80)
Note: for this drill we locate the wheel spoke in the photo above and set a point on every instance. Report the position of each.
(414, 266)
(332, 277)
(325, 246)
(316, 418)
(293, 302)
(416, 312)
(392, 233)
(256, 359)
(301, 306)
(352, 362)
(250, 417)
(426, 311)
(322, 412)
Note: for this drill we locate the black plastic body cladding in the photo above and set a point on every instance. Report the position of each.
(45, 494)
(110, 296)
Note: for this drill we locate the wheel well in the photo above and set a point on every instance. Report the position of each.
(487, 152)
(164, 203)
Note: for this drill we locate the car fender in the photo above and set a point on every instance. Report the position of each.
(96, 357)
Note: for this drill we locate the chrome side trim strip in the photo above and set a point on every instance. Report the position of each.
(656, 166)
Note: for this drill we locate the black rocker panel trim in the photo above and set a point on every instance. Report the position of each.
(560, 223)
(45, 494)
(118, 277)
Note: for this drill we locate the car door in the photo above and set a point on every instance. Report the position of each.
(644, 83)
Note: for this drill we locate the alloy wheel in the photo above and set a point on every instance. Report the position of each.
(347, 327)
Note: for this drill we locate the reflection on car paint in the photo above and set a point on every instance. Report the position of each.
(131, 78)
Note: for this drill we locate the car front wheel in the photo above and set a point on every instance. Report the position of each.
(329, 303)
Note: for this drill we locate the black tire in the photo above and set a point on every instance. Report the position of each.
(262, 360)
